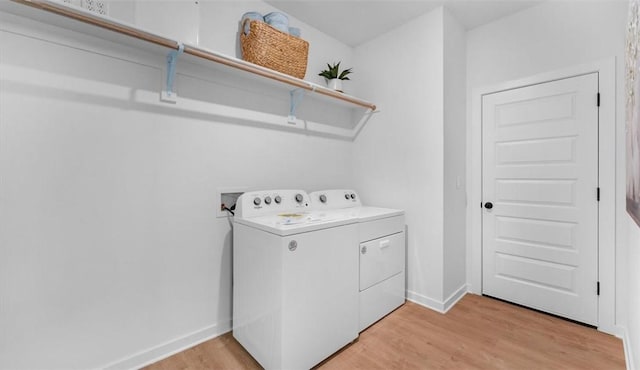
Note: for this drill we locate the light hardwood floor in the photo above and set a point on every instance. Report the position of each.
(478, 333)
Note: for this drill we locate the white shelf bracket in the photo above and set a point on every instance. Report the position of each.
(296, 96)
(363, 121)
(168, 95)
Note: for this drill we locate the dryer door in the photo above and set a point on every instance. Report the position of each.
(380, 259)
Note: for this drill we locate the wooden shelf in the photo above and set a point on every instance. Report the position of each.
(150, 37)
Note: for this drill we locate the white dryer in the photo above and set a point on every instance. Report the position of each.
(295, 279)
(381, 250)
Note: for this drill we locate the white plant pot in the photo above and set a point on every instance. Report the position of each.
(335, 84)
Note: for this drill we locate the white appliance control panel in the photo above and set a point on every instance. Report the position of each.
(268, 202)
(335, 199)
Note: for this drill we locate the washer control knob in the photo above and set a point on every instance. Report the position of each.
(293, 245)
(346, 196)
(277, 199)
(353, 195)
(323, 198)
(267, 200)
(299, 198)
(363, 250)
(256, 201)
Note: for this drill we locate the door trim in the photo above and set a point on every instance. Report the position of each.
(607, 175)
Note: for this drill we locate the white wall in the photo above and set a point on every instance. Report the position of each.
(454, 212)
(554, 36)
(412, 153)
(110, 251)
(398, 157)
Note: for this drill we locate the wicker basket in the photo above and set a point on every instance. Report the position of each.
(270, 48)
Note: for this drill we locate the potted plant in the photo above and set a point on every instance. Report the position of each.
(334, 77)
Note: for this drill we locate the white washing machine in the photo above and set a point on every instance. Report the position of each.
(295, 279)
(381, 250)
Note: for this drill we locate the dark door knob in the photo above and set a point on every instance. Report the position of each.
(488, 205)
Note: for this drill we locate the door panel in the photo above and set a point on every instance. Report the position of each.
(536, 152)
(535, 272)
(540, 171)
(557, 192)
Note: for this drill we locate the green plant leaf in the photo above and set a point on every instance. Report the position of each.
(333, 72)
(343, 75)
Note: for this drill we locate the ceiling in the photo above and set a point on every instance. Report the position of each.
(356, 21)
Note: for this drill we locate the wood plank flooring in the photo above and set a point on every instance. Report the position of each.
(478, 333)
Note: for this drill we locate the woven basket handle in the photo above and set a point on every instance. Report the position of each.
(245, 22)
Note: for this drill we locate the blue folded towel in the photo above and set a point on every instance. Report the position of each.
(294, 31)
(278, 20)
(253, 16)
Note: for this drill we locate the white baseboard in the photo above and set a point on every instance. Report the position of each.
(455, 297)
(425, 301)
(628, 354)
(154, 354)
(436, 305)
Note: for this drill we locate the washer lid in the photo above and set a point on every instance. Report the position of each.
(290, 223)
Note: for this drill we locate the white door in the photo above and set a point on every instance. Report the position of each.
(540, 174)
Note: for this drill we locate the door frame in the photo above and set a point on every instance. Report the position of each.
(606, 178)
